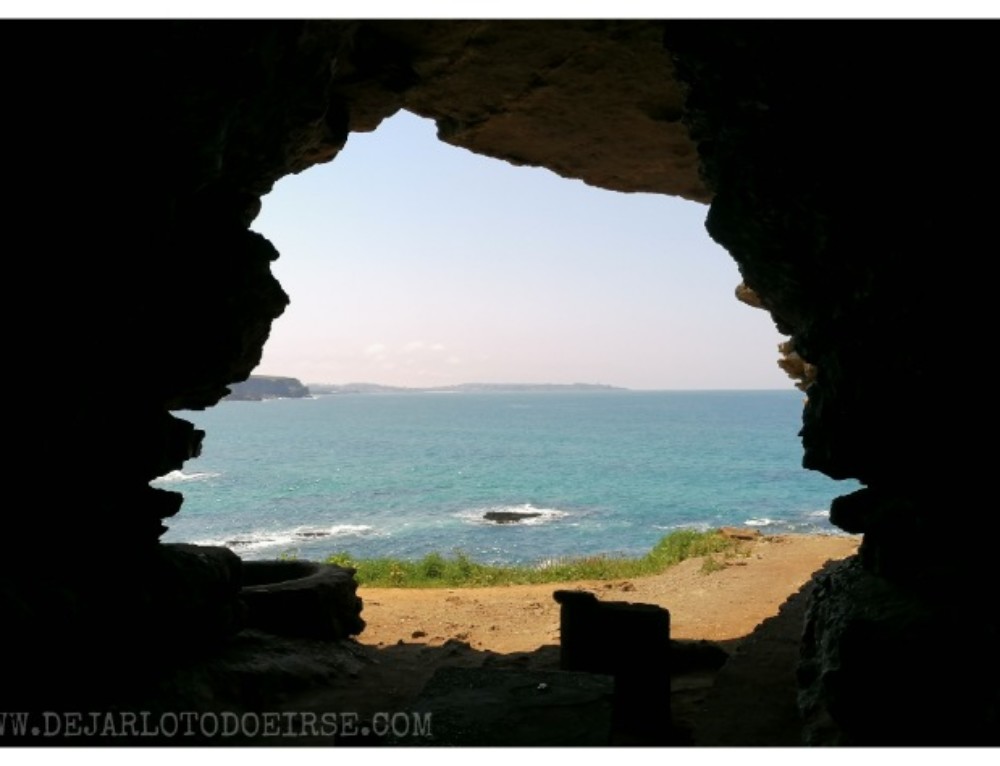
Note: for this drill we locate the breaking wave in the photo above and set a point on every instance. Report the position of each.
(181, 476)
(260, 540)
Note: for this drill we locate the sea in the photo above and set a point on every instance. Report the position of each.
(406, 474)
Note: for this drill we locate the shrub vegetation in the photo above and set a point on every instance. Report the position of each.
(459, 571)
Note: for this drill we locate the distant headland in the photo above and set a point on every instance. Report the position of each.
(256, 388)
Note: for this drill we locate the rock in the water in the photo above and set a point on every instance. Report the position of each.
(510, 517)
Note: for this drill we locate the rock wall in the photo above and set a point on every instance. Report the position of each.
(832, 197)
(843, 164)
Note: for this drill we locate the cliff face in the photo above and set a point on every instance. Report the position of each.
(846, 177)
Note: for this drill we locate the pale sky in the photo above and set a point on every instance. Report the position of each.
(411, 262)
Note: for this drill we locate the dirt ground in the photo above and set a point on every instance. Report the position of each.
(719, 605)
(411, 632)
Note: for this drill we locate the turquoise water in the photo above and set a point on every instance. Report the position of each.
(406, 474)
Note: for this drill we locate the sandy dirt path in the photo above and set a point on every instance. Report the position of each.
(719, 605)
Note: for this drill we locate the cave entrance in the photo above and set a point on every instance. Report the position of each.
(414, 264)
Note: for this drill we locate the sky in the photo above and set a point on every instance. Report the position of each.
(410, 262)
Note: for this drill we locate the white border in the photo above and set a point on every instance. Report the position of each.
(508, 9)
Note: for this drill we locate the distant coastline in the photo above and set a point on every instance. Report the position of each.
(257, 388)
(326, 389)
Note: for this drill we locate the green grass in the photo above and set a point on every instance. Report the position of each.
(436, 571)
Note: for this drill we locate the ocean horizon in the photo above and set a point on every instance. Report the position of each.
(406, 474)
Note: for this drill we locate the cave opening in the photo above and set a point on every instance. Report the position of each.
(410, 263)
(413, 264)
(403, 259)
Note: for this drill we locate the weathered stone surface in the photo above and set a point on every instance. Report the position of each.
(302, 598)
(797, 368)
(883, 666)
(540, 93)
(746, 295)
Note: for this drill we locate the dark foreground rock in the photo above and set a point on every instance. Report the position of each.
(302, 598)
(488, 707)
(630, 642)
(240, 695)
(884, 665)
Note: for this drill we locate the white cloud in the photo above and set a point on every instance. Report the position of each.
(376, 350)
(413, 346)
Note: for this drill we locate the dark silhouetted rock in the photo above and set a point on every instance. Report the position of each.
(870, 670)
(302, 599)
(630, 642)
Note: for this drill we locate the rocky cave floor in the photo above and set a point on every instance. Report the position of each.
(464, 656)
(748, 701)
